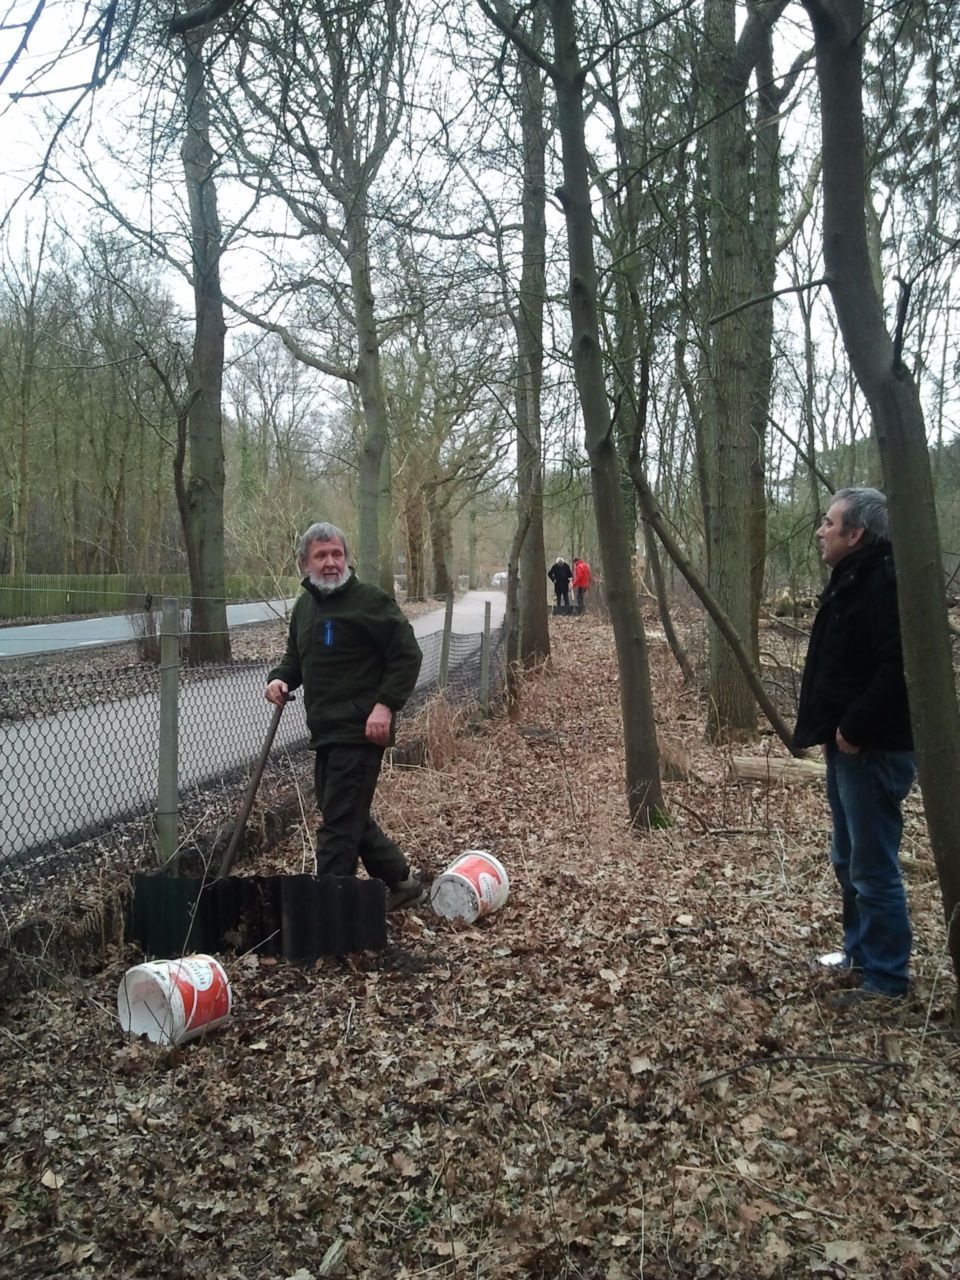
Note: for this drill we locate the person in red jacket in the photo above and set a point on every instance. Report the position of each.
(581, 582)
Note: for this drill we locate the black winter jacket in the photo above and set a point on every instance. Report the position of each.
(349, 649)
(853, 678)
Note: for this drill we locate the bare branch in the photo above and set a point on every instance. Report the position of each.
(199, 17)
(903, 305)
(28, 27)
(293, 346)
(766, 297)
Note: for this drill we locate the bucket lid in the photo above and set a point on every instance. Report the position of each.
(455, 898)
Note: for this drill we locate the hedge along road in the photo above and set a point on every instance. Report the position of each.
(73, 772)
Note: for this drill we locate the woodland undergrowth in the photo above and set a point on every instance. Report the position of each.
(628, 1071)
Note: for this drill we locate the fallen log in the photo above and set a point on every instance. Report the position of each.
(783, 769)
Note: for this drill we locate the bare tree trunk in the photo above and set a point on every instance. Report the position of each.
(735, 432)
(370, 385)
(644, 795)
(440, 547)
(473, 580)
(663, 602)
(416, 584)
(511, 644)
(201, 498)
(385, 576)
(729, 439)
(528, 322)
(898, 421)
(763, 239)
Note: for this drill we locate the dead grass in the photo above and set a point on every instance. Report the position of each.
(628, 1071)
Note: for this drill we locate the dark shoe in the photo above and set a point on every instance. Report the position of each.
(862, 999)
(408, 893)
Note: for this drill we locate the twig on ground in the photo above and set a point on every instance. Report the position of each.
(826, 1059)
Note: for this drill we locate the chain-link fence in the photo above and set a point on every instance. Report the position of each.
(80, 757)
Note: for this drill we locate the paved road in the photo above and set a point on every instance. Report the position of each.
(72, 772)
(51, 637)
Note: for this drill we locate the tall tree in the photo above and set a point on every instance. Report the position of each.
(567, 73)
(527, 318)
(326, 95)
(200, 495)
(733, 448)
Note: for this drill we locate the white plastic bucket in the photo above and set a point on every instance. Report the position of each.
(475, 885)
(171, 1001)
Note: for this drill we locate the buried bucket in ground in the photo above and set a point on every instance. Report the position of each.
(475, 885)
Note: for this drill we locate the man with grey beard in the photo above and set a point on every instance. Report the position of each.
(357, 659)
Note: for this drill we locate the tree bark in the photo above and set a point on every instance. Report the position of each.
(370, 385)
(644, 795)
(528, 323)
(201, 497)
(416, 584)
(763, 240)
(663, 603)
(441, 543)
(734, 449)
(898, 422)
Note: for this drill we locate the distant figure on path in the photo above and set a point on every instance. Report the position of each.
(357, 659)
(581, 582)
(560, 574)
(853, 703)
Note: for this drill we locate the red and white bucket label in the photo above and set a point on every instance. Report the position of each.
(170, 1001)
(203, 989)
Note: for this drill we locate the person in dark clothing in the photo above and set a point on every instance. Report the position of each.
(560, 574)
(853, 703)
(357, 659)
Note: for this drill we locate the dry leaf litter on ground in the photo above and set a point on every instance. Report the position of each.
(628, 1071)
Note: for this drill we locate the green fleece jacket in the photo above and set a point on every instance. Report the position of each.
(349, 649)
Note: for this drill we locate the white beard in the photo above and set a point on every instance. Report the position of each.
(327, 585)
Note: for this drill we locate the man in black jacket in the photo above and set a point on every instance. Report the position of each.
(560, 574)
(357, 659)
(853, 703)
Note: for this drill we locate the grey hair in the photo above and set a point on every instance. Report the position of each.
(865, 509)
(321, 532)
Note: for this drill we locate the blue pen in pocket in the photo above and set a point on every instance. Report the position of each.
(328, 633)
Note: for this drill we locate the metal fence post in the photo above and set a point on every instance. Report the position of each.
(485, 661)
(167, 779)
(445, 643)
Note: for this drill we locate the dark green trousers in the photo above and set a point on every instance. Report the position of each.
(345, 778)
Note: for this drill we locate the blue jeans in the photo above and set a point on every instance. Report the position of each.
(865, 791)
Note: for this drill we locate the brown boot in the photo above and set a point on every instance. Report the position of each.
(408, 893)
